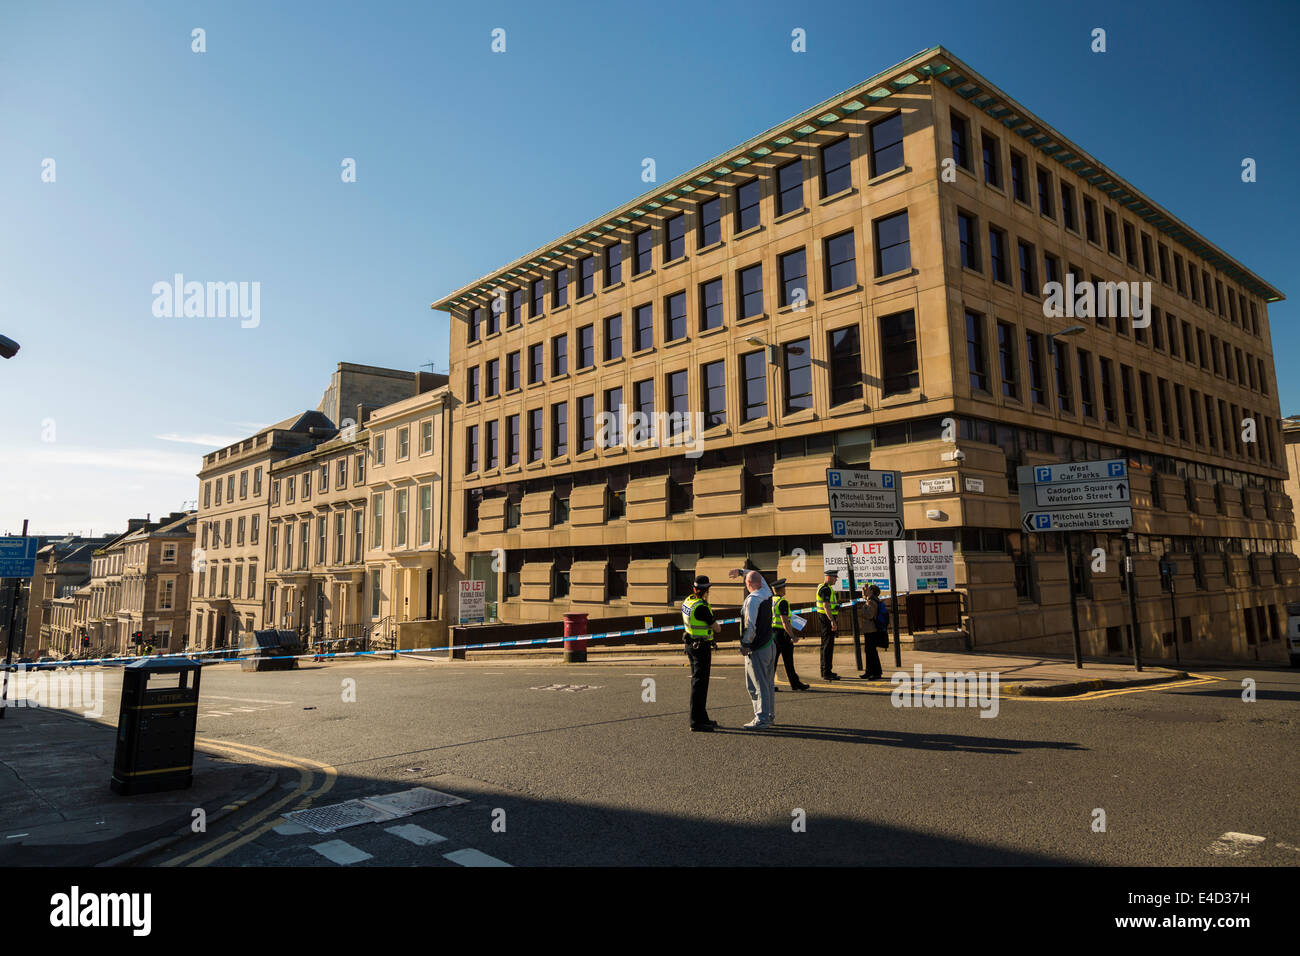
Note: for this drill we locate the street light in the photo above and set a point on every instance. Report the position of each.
(8, 347)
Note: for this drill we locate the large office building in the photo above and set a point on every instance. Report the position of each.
(659, 392)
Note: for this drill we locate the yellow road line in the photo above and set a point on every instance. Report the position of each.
(248, 830)
(873, 687)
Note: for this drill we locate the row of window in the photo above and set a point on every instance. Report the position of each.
(213, 533)
(1111, 302)
(208, 500)
(210, 583)
(378, 443)
(1099, 390)
(347, 541)
(669, 416)
(1230, 303)
(893, 254)
(319, 476)
(834, 175)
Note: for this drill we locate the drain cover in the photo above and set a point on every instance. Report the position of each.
(339, 816)
(390, 806)
(406, 802)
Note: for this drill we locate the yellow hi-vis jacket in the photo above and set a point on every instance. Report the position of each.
(696, 629)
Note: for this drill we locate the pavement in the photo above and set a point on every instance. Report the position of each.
(1019, 675)
(56, 807)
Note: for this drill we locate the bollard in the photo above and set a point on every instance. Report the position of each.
(575, 651)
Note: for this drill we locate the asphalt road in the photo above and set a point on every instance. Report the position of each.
(599, 775)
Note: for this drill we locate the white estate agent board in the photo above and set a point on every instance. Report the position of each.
(918, 565)
(473, 595)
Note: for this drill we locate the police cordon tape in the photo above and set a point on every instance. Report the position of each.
(531, 642)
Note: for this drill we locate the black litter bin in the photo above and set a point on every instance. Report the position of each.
(155, 727)
(269, 650)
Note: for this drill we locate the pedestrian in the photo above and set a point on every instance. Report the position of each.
(828, 606)
(759, 651)
(701, 630)
(784, 634)
(875, 616)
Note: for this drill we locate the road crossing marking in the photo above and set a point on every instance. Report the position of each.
(1235, 845)
(473, 858)
(416, 834)
(341, 852)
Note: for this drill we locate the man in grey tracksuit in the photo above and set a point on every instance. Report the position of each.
(759, 650)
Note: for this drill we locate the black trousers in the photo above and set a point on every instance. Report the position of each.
(701, 658)
(828, 645)
(870, 659)
(785, 647)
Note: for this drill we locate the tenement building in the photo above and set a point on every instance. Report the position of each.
(659, 392)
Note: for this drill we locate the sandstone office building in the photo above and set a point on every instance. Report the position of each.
(824, 295)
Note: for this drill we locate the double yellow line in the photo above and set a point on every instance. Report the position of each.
(315, 779)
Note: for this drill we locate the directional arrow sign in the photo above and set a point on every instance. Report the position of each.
(879, 528)
(864, 502)
(1076, 496)
(1079, 493)
(1078, 519)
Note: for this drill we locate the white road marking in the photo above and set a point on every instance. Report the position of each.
(341, 852)
(215, 713)
(246, 700)
(15, 836)
(415, 834)
(1288, 846)
(473, 858)
(1235, 845)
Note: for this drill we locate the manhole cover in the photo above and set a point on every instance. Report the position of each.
(406, 802)
(339, 816)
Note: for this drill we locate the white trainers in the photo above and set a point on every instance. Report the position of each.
(757, 724)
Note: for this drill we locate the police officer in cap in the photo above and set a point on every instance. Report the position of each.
(785, 634)
(828, 606)
(701, 630)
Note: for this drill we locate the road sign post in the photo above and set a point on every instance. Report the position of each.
(1132, 602)
(893, 599)
(1076, 496)
(867, 504)
(1167, 571)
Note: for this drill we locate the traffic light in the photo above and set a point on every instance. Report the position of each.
(137, 637)
(85, 640)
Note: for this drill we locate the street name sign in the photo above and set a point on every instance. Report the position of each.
(865, 504)
(17, 557)
(1076, 496)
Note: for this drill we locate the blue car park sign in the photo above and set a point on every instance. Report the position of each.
(17, 557)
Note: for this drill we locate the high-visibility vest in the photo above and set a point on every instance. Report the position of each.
(696, 628)
(827, 601)
(780, 607)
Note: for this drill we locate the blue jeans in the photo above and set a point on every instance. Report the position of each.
(760, 671)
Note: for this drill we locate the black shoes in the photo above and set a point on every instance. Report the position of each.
(702, 728)
(831, 676)
(803, 687)
(870, 676)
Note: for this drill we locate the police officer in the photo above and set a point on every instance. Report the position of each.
(701, 629)
(828, 605)
(784, 634)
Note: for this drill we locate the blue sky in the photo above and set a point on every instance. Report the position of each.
(225, 166)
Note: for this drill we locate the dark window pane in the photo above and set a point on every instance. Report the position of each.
(750, 291)
(798, 375)
(713, 386)
(747, 207)
(711, 221)
(675, 317)
(837, 174)
(794, 277)
(900, 372)
(754, 385)
(789, 187)
(642, 252)
(675, 237)
(886, 144)
(711, 305)
(893, 251)
(845, 365)
(841, 262)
